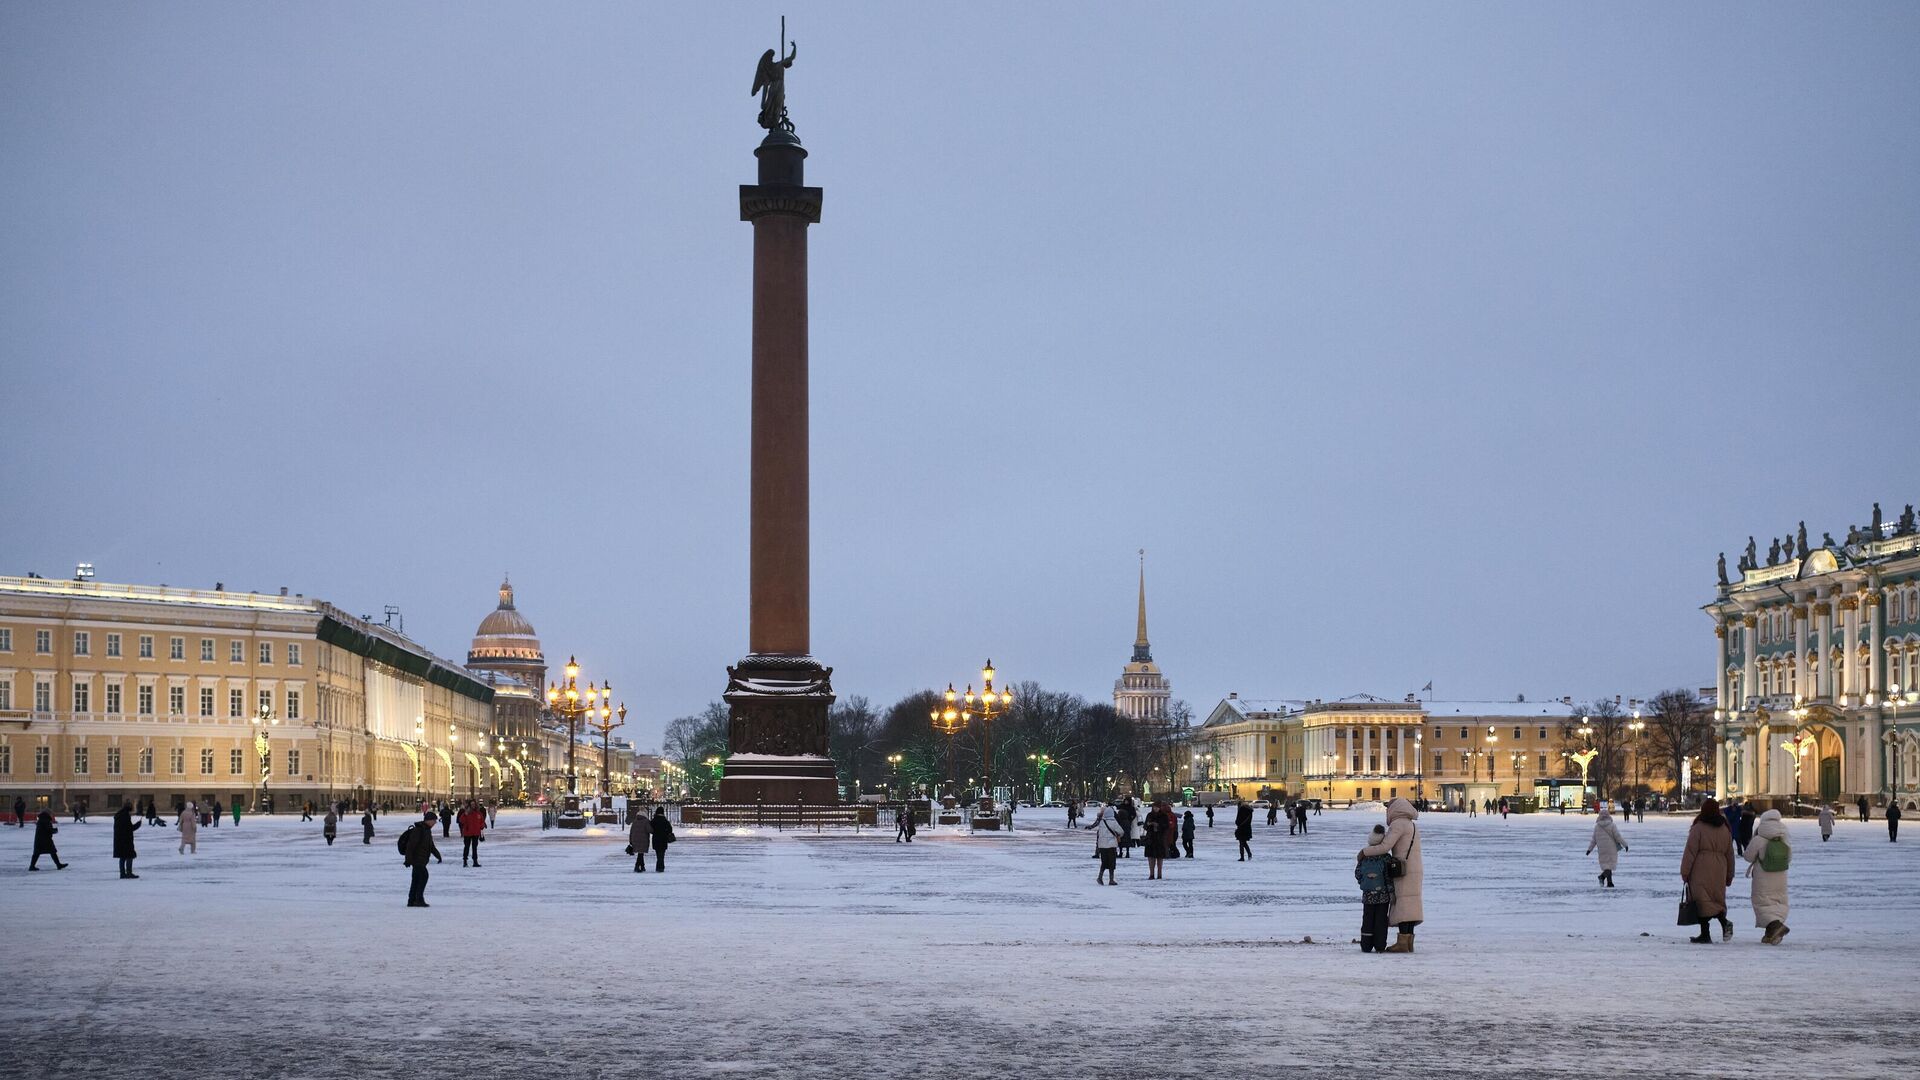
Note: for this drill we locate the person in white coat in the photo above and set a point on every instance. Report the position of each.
(1403, 841)
(1607, 841)
(1769, 886)
(189, 826)
(1106, 844)
(1826, 822)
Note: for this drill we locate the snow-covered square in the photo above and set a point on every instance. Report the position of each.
(763, 953)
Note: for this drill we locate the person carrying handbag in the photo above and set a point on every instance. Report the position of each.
(1402, 842)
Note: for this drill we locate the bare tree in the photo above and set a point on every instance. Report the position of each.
(1682, 728)
(691, 740)
(1606, 734)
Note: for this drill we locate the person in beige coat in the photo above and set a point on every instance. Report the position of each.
(1706, 865)
(189, 826)
(1769, 886)
(1608, 842)
(1403, 841)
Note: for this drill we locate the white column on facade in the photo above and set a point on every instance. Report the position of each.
(1870, 774)
(1750, 680)
(1851, 652)
(1823, 649)
(1876, 662)
(1400, 752)
(1720, 770)
(1720, 665)
(1801, 676)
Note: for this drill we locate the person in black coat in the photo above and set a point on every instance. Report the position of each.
(1186, 832)
(1743, 832)
(123, 829)
(43, 830)
(1893, 821)
(366, 827)
(1126, 815)
(446, 820)
(416, 847)
(19, 812)
(662, 831)
(1243, 829)
(1861, 802)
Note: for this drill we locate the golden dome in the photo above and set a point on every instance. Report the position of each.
(505, 634)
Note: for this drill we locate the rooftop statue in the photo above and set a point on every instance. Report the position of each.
(1826, 540)
(770, 82)
(1723, 568)
(1875, 534)
(1906, 519)
(1773, 554)
(1753, 557)
(1801, 536)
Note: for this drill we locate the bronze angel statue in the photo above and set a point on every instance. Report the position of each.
(770, 82)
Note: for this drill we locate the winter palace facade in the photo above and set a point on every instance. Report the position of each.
(1818, 668)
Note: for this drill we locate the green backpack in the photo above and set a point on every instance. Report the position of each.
(1776, 857)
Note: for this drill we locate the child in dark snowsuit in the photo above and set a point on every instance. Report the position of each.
(1376, 895)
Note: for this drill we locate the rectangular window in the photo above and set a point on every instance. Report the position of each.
(177, 760)
(1542, 768)
(236, 762)
(146, 646)
(113, 761)
(293, 654)
(236, 704)
(1516, 734)
(146, 700)
(6, 696)
(82, 697)
(42, 696)
(206, 761)
(177, 700)
(1543, 732)
(266, 703)
(113, 644)
(206, 649)
(266, 652)
(6, 639)
(6, 760)
(146, 761)
(293, 704)
(1439, 763)
(113, 699)
(293, 763)
(236, 652)
(177, 648)
(82, 643)
(1463, 733)
(43, 641)
(80, 761)
(206, 701)
(42, 760)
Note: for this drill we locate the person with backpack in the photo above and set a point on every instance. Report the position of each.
(1893, 821)
(662, 836)
(1243, 828)
(330, 826)
(1186, 832)
(1706, 869)
(1767, 858)
(1106, 844)
(1402, 841)
(1607, 839)
(416, 847)
(1376, 892)
(1826, 822)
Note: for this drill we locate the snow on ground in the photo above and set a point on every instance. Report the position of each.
(764, 954)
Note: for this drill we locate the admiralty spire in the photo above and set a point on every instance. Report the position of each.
(1141, 692)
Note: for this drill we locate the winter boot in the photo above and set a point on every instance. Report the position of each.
(1726, 929)
(1402, 943)
(1772, 934)
(1782, 935)
(1609, 879)
(1704, 937)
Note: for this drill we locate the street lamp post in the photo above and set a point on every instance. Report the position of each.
(1326, 762)
(949, 722)
(893, 763)
(606, 725)
(988, 702)
(1636, 726)
(565, 701)
(261, 747)
(1041, 763)
(1493, 746)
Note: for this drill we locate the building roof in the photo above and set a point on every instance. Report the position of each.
(1554, 709)
(1235, 708)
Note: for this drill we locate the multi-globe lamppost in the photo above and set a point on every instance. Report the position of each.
(565, 701)
(949, 722)
(992, 706)
(261, 748)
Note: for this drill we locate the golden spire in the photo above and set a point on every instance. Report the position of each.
(1140, 638)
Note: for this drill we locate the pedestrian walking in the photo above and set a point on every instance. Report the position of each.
(306, 810)
(1126, 815)
(1861, 802)
(662, 830)
(639, 839)
(330, 826)
(1826, 822)
(1706, 869)
(1607, 841)
(1301, 809)
(1473, 808)
(493, 814)
(1273, 811)
(1767, 858)
(366, 826)
(217, 810)
(123, 829)
(1209, 815)
(1186, 832)
(20, 812)
(1743, 834)
(1106, 844)
(189, 826)
(473, 825)
(1402, 841)
(903, 828)
(416, 847)
(1243, 829)
(43, 830)
(236, 812)
(1376, 892)
(1893, 820)
(446, 821)
(1640, 810)
(1159, 828)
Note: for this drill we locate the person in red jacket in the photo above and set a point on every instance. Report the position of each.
(473, 821)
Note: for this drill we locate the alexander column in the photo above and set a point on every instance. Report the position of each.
(778, 694)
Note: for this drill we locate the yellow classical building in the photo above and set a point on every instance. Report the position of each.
(111, 692)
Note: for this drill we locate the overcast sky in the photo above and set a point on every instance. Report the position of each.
(1443, 342)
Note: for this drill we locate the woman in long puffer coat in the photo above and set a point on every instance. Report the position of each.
(1769, 886)
(1706, 866)
(639, 835)
(189, 825)
(1403, 840)
(1606, 840)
